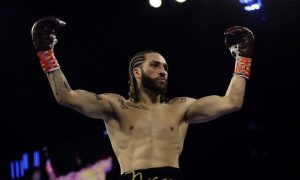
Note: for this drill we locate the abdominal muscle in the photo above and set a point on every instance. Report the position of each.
(147, 147)
(148, 153)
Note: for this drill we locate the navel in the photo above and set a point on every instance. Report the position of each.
(171, 128)
(131, 127)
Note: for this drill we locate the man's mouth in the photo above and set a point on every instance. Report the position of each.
(161, 80)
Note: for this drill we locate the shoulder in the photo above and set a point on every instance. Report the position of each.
(115, 100)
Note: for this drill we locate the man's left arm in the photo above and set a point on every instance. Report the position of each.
(240, 42)
(212, 107)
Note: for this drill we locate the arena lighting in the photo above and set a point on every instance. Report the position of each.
(251, 5)
(36, 159)
(25, 161)
(155, 3)
(21, 168)
(18, 167)
(180, 1)
(12, 170)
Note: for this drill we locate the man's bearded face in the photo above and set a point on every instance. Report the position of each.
(157, 85)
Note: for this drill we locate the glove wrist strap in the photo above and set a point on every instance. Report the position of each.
(48, 61)
(242, 67)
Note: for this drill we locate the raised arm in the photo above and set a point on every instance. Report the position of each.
(44, 33)
(240, 42)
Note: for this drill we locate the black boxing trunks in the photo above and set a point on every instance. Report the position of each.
(160, 173)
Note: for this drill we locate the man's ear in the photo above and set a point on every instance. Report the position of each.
(137, 73)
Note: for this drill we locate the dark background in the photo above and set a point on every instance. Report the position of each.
(94, 49)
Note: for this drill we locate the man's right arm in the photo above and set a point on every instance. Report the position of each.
(87, 103)
(44, 39)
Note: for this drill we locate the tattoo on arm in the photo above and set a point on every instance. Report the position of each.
(138, 106)
(54, 85)
(122, 104)
(67, 86)
(75, 107)
(126, 105)
(178, 99)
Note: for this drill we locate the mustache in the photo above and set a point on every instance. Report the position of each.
(161, 78)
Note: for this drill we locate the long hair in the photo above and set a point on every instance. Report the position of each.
(137, 61)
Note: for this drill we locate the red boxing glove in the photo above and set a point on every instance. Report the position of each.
(240, 42)
(44, 39)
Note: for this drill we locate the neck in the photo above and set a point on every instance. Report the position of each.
(148, 97)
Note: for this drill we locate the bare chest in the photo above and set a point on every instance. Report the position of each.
(140, 121)
(158, 123)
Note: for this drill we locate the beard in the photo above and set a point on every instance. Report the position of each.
(153, 84)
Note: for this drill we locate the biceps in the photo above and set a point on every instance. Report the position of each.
(209, 108)
(89, 104)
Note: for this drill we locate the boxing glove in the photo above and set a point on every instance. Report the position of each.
(43, 34)
(240, 42)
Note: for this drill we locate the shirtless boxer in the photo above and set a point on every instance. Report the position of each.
(146, 132)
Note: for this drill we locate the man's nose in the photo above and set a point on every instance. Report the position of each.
(163, 73)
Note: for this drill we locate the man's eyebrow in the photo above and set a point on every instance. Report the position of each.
(156, 61)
